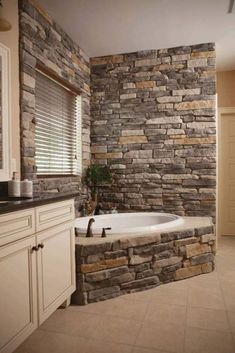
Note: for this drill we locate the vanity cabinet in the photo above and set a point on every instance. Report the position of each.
(37, 268)
(55, 261)
(18, 293)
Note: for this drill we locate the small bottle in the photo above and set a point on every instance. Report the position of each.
(14, 186)
(114, 210)
(27, 188)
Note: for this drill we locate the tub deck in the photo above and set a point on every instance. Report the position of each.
(112, 266)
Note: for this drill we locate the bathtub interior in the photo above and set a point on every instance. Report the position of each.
(128, 223)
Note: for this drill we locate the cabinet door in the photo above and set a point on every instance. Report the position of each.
(56, 268)
(18, 293)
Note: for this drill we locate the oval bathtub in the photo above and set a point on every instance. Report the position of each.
(123, 224)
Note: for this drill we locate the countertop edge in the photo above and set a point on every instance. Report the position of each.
(21, 204)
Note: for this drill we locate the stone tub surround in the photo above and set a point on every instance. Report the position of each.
(153, 123)
(43, 42)
(110, 267)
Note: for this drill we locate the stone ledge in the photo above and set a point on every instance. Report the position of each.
(109, 268)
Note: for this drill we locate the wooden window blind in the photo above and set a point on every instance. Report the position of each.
(58, 128)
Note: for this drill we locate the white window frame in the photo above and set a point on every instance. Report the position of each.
(78, 165)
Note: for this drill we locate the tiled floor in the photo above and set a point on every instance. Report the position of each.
(192, 316)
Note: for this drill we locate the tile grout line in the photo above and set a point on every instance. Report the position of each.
(226, 311)
(186, 315)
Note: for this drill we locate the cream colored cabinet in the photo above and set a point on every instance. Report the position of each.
(56, 273)
(18, 293)
(37, 271)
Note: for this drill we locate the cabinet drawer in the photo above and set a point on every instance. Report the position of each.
(16, 225)
(51, 215)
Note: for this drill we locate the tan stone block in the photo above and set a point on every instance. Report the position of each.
(125, 140)
(208, 267)
(147, 62)
(180, 57)
(167, 262)
(116, 59)
(169, 99)
(145, 84)
(186, 92)
(132, 132)
(99, 60)
(70, 72)
(197, 62)
(196, 249)
(186, 241)
(99, 149)
(208, 104)
(80, 64)
(187, 272)
(209, 73)
(166, 67)
(186, 263)
(195, 141)
(108, 155)
(128, 96)
(104, 264)
(128, 85)
(206, 238)
(28, 80)
(136, 259)
(42, 11)
(102, 60)
(86, 87)
(203, 54)
(201, 125)
(139, 241)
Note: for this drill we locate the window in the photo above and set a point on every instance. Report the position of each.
(58, 128)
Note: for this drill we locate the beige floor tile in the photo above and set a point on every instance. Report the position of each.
(231, 319)
(145, 350)
(45, 342)
(117, 330)
(71, 322)
(93, 308)
(161, 337)
(205, 341)
(229, 299)
(165, 314)
(144, 295)
(97, 346)
(205, 298)
(130, 309)
(208, 281)
(208, 319)
(173, 293)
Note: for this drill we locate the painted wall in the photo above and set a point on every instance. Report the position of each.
(11, 40)
(153, 123)
(226, 89)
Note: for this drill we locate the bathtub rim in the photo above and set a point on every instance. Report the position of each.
(139, 230)
(190, 222)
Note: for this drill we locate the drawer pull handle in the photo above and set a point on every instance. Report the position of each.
(41, 245)
(35, 248)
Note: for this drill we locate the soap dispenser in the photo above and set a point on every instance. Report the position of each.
(14, 186)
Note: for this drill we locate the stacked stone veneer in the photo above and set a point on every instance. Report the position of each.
(112, 268)
(153, 123)
(42, 41)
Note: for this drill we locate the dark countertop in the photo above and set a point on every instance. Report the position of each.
(17, 203)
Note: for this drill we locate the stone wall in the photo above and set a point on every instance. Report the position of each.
(112, 268)
(153, 123)
(43, 42)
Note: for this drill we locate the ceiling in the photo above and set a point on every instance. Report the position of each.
(103, 27)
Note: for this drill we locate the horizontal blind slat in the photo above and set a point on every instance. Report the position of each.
(58, 128)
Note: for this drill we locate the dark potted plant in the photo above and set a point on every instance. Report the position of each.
(97, 175)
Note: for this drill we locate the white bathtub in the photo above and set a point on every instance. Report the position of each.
(123, 224)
